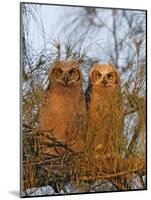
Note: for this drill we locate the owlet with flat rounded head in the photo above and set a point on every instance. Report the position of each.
(63, 111)
(105, 123)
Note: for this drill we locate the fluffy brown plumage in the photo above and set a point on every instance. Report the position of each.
(105, 123)
(63, 111)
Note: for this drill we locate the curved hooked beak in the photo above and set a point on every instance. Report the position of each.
(104, 82)
(66, 78)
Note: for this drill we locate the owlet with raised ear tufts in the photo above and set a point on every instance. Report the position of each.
(63, 111)
(105, 121)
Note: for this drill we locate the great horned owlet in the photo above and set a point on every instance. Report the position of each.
(63, 111)
(105, 121)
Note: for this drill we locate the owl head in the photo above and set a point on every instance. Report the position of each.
(66, 73)
(104, 75)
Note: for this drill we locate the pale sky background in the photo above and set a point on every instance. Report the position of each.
(54, 18)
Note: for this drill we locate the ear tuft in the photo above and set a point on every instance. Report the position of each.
(57, 62)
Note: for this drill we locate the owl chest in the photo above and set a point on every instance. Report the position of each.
(100, 105)
(61, 104)
(60, 113)
(105, 110)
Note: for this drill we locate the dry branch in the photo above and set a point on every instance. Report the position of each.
(40, 170)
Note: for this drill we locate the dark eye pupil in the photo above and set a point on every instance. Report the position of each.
(109, 76)
(72, 72)
(98, 75)
(59, 72)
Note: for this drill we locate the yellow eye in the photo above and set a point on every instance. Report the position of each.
(98, 75)
(59, 72)
(72, 72)
(110, 76)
